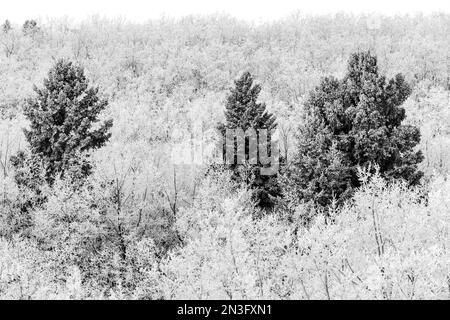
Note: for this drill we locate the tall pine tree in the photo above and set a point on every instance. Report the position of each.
(353, 122)
(62, 116)
(243, 111)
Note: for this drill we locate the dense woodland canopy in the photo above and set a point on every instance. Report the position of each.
(143, 227)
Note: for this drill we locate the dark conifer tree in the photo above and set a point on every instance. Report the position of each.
(243, 111)
(353, 122)
(61, 118)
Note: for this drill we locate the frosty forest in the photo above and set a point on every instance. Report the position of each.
(99, 201)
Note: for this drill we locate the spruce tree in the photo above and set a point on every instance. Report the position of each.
(61, 118)
(353, 122)
(243, 111)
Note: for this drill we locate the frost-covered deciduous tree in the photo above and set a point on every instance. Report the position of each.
(6, 26)
(30, 28)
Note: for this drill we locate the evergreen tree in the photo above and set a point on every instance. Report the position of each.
(6, 26)
(243, 111)
(353, 122)
(242, 108)
(61, 119)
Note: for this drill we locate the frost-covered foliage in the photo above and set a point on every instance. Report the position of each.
(389, 242)
(144, 227)
(428, 108)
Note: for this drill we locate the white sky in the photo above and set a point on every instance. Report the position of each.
(253, 10)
